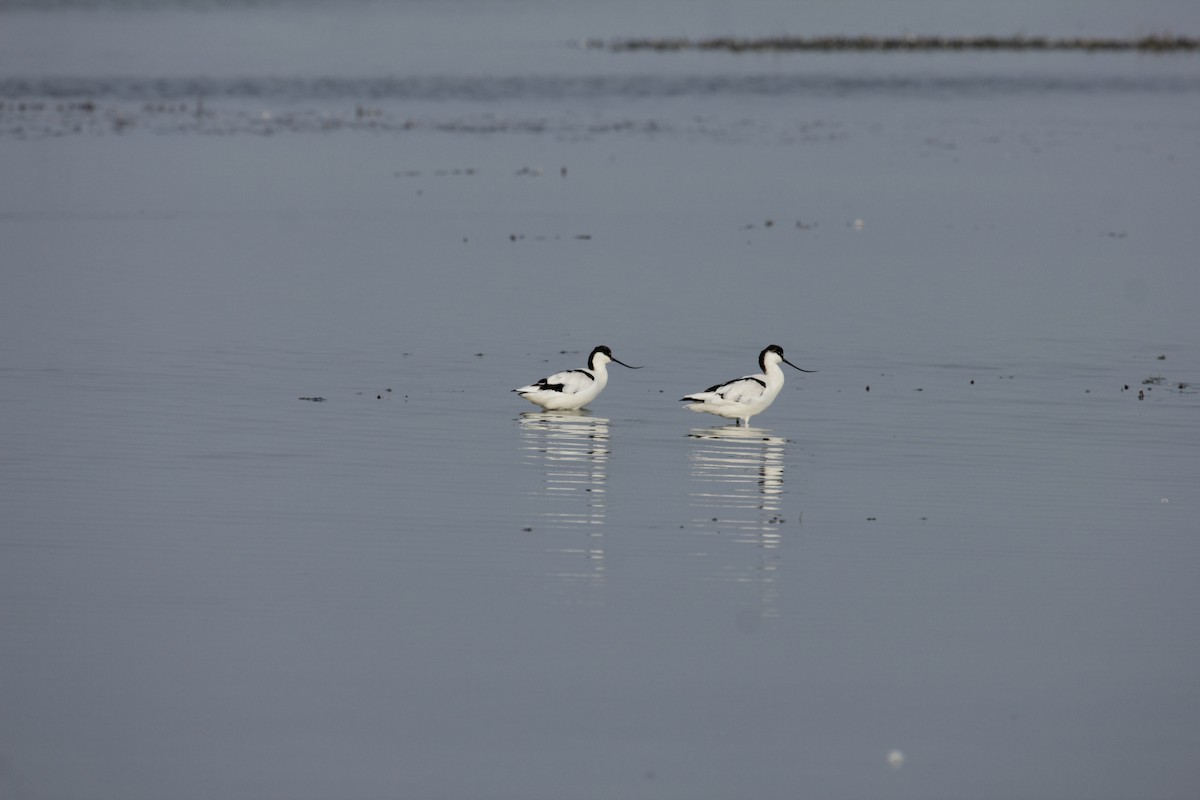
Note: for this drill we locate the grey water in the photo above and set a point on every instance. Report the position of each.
(274, 525)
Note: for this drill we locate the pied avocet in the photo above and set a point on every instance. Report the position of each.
(741, 399)
(573, 388)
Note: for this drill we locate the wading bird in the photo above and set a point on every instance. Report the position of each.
(573, 388)
(742, 398)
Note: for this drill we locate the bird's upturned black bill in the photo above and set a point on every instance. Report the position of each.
(793, 366)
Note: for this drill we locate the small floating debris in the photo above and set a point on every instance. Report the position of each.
(314, 399)
(1183, 387)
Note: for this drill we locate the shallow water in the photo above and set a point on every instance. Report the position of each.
(963, 538)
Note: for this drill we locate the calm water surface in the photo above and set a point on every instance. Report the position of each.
(964, 537)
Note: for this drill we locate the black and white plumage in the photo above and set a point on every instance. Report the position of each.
(573, 388)
(745, 397)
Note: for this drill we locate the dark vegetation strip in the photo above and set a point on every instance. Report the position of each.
(1149, 44)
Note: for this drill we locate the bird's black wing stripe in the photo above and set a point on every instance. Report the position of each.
(726, 384)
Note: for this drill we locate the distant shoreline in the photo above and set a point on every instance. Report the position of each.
(1151, 44)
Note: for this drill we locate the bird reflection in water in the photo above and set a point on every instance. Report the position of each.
(738, 474)
(737, 490)
(571, 449)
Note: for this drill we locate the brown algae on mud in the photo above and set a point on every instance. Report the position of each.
(1145, 44)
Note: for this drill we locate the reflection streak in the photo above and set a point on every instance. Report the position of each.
(737, 478)
(739, 471)
(571, 449)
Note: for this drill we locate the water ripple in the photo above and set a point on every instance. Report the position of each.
(490, 88)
